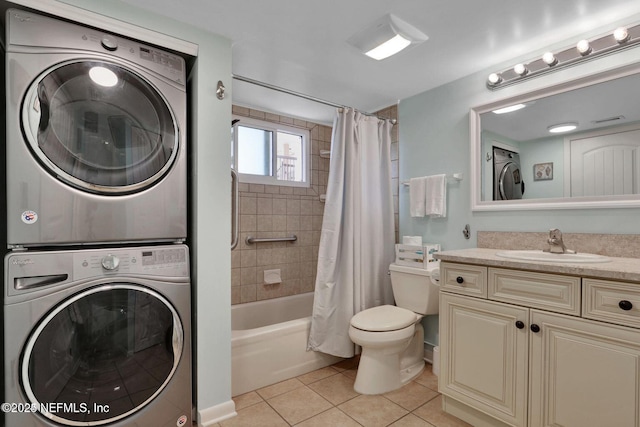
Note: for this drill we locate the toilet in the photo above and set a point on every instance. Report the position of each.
(392, 337)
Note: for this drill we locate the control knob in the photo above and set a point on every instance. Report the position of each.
(109, 43)
(110, 262)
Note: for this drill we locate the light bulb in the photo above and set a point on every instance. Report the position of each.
(621, 35)
(520, 69)
(583, 47)
(494, 79)
(550, 59)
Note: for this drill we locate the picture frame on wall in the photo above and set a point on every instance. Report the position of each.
(543, 171)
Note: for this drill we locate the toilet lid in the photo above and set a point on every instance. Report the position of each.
(383, 318)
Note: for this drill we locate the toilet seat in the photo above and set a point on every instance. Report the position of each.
(384, 318)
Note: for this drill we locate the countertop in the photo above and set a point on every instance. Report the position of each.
(627, 269)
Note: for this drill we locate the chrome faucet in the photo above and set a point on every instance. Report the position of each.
(556, 245)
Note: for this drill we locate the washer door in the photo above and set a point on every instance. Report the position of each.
(100, 127)
(102, 354)
(510, 182)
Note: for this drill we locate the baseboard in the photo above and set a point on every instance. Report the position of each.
(217, 413)
(468, 414)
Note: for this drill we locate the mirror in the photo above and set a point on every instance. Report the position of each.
(517, 163)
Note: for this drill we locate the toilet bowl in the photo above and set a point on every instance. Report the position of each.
(392, 337)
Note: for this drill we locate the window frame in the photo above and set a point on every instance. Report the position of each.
(273, 127)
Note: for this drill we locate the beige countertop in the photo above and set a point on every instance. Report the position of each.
(627, 269)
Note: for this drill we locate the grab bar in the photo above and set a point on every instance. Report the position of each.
(234, 209)
(251, 239)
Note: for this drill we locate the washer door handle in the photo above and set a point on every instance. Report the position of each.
(41, 103)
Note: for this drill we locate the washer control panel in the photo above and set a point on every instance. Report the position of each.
(167, 261)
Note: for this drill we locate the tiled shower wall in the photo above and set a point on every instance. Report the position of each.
(279, 211)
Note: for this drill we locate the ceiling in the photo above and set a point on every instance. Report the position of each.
(615, 100)
(301, 45)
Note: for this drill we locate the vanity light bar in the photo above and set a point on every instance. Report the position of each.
(620, 38)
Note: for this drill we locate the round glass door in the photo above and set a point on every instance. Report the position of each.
(102, 354)
(100, 127)
(511, 185)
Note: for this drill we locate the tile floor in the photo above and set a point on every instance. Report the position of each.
(325, 398)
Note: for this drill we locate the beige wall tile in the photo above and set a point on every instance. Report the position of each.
(264, 206)
(277, 211)
(247, 293)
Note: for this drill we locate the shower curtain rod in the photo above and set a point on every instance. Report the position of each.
(298, 94)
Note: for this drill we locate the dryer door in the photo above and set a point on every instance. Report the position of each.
(510, 182)
(102, 354)
(100, 127)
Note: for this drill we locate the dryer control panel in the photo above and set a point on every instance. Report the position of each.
(27, 29)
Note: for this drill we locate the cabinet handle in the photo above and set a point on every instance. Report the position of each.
(625, 305)
(535, 328)
(520, 324)
(459, 279)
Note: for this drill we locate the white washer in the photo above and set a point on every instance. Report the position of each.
(96, 136)
(98, 337)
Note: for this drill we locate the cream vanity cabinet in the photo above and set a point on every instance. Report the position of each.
(514, 348)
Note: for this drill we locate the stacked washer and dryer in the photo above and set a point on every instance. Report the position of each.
(97, 288)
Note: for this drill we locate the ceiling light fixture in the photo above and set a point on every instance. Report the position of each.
(386, 37)
(509, 109)
(388, 48)
(563, 127)
(613, 41)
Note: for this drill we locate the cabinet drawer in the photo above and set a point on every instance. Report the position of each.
(614, 302)
(551, 292)
(464, 279)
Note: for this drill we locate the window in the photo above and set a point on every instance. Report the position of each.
(270, 153)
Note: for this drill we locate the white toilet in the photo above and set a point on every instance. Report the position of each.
(392, 337)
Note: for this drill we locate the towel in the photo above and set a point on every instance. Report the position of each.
(417, 195)
(436, 196)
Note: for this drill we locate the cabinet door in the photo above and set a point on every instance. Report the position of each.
(583, 373)
(484, 356)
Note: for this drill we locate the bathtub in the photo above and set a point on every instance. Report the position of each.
(269, 342)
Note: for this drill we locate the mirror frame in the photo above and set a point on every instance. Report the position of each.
(475, 129)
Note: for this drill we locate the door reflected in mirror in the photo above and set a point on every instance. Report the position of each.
(578, 146)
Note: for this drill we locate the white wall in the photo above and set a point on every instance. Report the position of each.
(210, 181)
(434, 138)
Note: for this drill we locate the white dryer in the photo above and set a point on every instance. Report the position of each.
(96, 136)
(98, 336)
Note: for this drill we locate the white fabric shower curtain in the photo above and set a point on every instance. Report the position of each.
(358, 236)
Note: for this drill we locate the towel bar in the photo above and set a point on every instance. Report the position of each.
(455, 177)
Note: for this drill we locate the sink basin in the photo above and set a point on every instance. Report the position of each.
(533, 255)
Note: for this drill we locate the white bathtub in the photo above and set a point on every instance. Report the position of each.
(269, 342)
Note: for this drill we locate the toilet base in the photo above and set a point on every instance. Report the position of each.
(377, 372)
(381, 370)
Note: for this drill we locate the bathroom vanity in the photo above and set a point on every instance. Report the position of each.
(533, 343)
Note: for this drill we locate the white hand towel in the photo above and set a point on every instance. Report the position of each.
(417, 196)
(436, 196)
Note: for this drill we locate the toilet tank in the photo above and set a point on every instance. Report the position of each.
(414, 290)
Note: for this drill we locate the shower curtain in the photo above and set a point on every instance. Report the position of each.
(358, 236)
